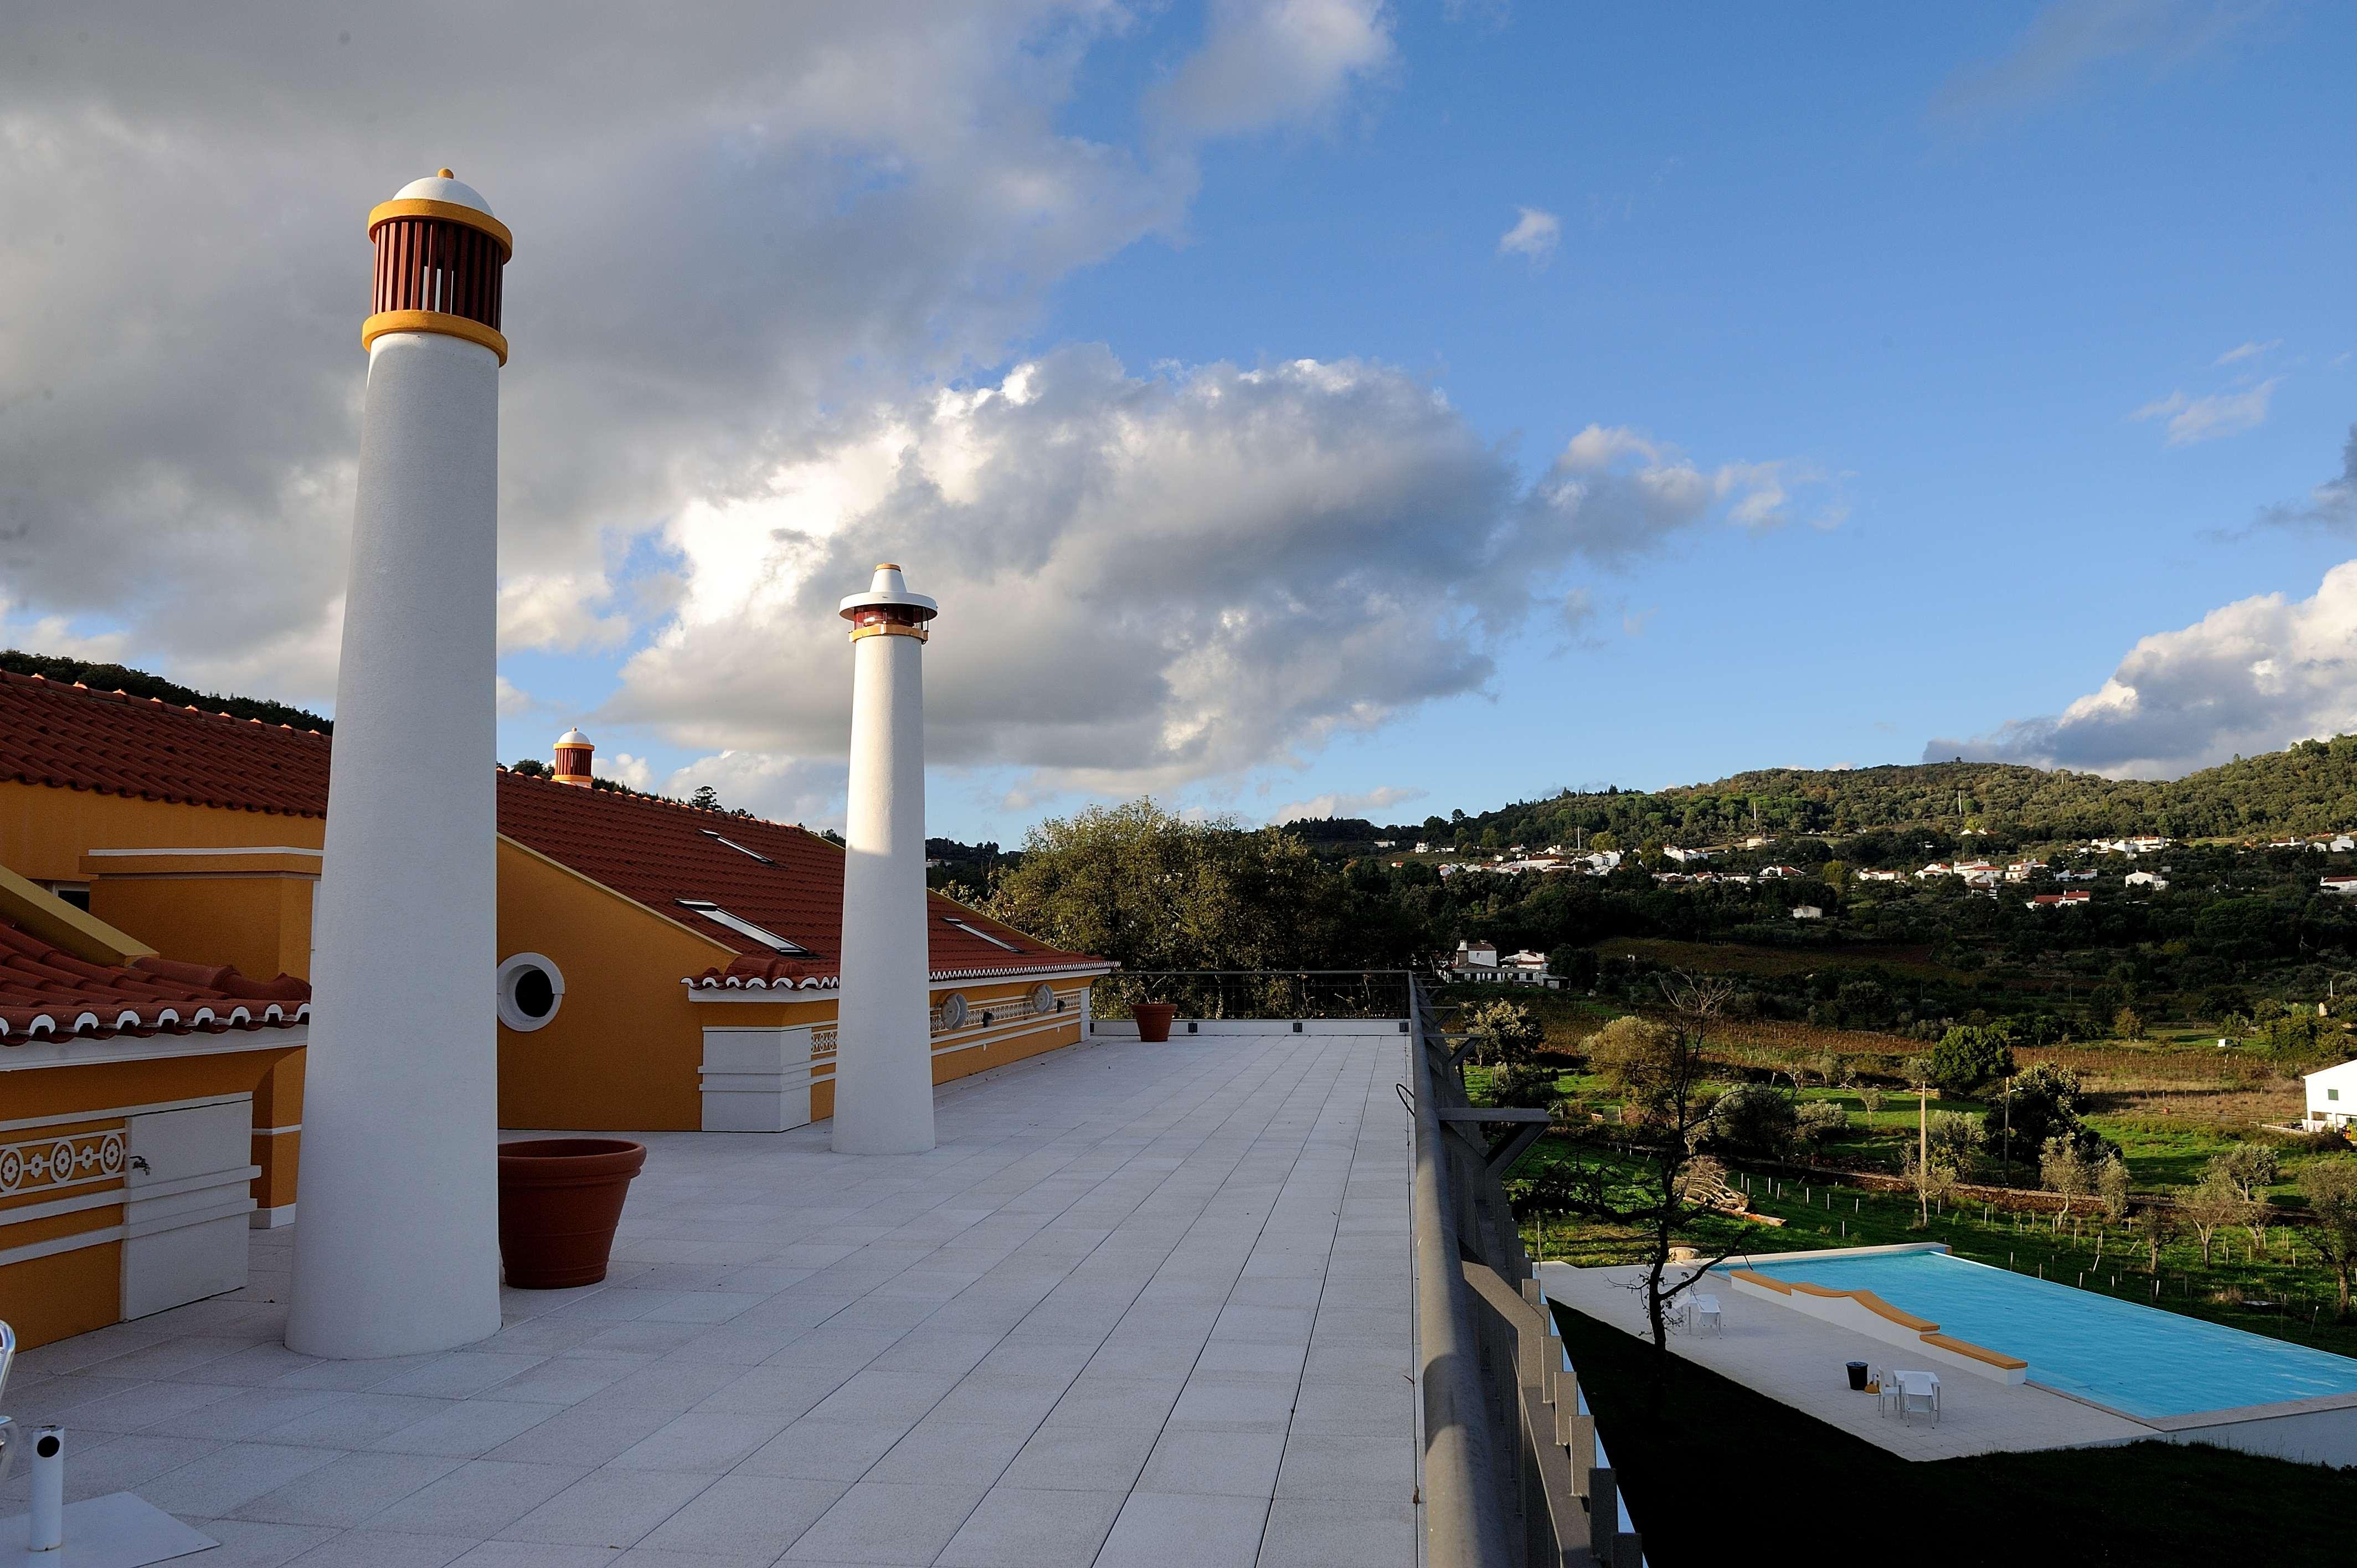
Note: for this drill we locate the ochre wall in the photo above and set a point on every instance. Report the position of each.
(258, 920)
(623, 1050)
(80, 1289)
(45, 829)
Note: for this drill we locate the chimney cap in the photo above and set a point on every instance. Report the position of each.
(888, 588)
(443, 188)
(573, 737)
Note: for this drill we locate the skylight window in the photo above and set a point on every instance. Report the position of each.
(739, 848)
(974, 930)
(720, 916)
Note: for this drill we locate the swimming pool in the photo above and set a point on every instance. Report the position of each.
(2135, 1359)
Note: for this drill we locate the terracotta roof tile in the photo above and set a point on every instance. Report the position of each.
(75, 739)
(784, 880)
(48, 994)
(655, 852)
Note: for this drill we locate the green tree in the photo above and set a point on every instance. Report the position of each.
(2330, 1186)
(1969, 1056)
(2112, 1189)
(2251, 1167)
(2064, 1170)
(2128, 1024)
(706, 798)
(1504, 1035)
(1162, 893)
(1754, 1118)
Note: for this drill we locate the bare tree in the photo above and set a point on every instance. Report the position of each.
(1663, 1184)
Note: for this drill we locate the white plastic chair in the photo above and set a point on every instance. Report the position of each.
(1706, 1314)
(1886, 1384)
(1919, 1392)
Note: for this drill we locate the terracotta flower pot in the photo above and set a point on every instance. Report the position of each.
(1154, 1020)
(560, 1199)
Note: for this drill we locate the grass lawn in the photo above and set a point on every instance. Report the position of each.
(1708, 1467)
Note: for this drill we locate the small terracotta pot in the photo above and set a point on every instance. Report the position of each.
(560, 1199)
(1154, 1020)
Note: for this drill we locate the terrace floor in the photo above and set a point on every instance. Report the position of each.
(1144, 1304)
(1798, 1361)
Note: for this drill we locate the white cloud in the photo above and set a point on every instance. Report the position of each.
(2252, 676)
(2250, 350)
(782, 788)
(2330, 506)
(721, 229)
(1371, 806)
(1150, 581)
(1535, 234)
(511, 700)
(2193, 419)
(2069, 39)
(1270, 62)
(624, 768)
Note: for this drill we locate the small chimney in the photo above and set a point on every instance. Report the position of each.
(573, 749)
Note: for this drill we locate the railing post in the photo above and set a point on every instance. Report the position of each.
(1603, 1512)
(1581, 1440)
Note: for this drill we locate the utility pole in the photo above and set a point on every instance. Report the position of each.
(1923, 1148)
(2007, 1162)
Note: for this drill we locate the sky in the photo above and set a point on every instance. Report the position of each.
(1298, 407)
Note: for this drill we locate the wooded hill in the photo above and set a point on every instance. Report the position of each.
(2310, 789)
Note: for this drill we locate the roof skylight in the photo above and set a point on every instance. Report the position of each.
(720, 916)
(974, 930)
(739, 848)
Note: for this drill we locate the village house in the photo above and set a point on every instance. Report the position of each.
(2331, 1098)
(2059, 900)
(1777, 873)
(2344, 885)
(2145, 879)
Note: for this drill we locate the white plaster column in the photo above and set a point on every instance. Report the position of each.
(884, 1047)
(397, 1250)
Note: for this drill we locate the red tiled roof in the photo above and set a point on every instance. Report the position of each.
(45, 994)
(75, 739)
(657, 853)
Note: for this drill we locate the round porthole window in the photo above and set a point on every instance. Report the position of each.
(1043, 998)
(531, 989)
(949, 1013)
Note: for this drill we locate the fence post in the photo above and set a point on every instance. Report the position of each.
(1603, 1512)
(1580, 1438)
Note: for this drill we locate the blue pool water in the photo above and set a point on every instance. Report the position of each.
(2136, 1359)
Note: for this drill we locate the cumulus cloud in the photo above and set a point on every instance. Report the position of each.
(782, 788)
(1534, 235)
(2250, 677)
(720, 228)
(1268, 63)
(1147, 581)
(2193, 419)
(1371, 806)
(2069, 39)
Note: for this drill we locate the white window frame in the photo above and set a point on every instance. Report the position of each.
(742, 927)
(970, 929)
(513, 969)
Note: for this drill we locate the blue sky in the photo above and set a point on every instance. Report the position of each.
(1976, 340)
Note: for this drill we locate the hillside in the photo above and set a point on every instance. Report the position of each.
(139, 683)
(2309, 789)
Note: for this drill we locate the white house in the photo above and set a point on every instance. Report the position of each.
(2145, 879)
(1686, 857)
(1759, 841)
(1779, 872)
(1879, 876)
(2343, 885)
(1387, 844)
(1807, 912)
(2023, 870)
(2331, 1097)
(2341, 843)
(1422, 847)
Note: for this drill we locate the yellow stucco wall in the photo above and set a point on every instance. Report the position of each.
(624, 1046)
(45, 830)
(258, 920)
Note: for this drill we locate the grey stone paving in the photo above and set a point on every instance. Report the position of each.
(1144, 1305)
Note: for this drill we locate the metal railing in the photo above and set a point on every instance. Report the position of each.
(1514, 1476)
(1256, 992)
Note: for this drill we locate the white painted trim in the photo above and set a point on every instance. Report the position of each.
(56, 1244)
(58, 1206)
(272, 1219)
(510, 1015)
(226, 849)
(76, 1050)
(274, 1132)
(823, 988)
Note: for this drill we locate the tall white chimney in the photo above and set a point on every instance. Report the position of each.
(884, 1049)
(397, 1251)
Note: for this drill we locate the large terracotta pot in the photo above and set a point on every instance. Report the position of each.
(560, 1199)
(1154, 1020)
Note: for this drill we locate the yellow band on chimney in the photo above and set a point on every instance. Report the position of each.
(449, 326)
(889, 628)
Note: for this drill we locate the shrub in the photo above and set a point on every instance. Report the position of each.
(2112, 1189)
(1872, 1098)
(1522, 1085)
(2249, 1167)
(1956, 1137)
(1752, 1118)
(1819, 1120)
(1504, 1034)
